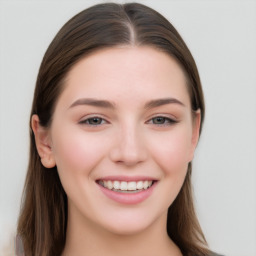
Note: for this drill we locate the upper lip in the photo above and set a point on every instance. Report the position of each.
(127, 178)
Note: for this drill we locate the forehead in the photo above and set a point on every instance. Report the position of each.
(127, 73)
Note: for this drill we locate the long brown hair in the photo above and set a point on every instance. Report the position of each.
(43, 218)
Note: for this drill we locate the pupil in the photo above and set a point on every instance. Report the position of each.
(159, 120)
(95, 120)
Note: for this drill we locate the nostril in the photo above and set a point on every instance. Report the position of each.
(128, 157)
(129, 148)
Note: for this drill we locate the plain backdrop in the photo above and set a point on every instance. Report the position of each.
(222, 38)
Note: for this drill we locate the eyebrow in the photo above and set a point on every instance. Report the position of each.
(160, 102)
(93, 102)
(107, 104)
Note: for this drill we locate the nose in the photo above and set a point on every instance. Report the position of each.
(129, 148)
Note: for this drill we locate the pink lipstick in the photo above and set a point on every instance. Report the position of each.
(127, 190)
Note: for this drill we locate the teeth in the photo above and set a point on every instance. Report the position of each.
(123, 185)
(139, 185)
(131, 185)
(145, 184)
(109, 184)
(126, 186)
(116, 184)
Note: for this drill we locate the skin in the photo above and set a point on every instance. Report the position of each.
(128, 141)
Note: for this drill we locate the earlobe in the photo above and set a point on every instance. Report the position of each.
(43, 143)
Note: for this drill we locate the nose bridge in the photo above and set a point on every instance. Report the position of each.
(129, 148)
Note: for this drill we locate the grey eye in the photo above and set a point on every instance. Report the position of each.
(94, 121)
(159, 120)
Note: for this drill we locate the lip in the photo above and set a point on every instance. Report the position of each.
(128, 198)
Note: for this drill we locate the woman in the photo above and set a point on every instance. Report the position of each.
(117, 112)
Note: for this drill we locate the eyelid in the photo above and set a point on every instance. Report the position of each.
(171, 120)
(83, 120)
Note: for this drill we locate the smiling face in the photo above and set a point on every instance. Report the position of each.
(122, 136)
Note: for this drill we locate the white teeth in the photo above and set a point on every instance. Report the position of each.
(139, 185)
(145, 184)
(109, 184)
(123, 185)
(126, 186)
(131, 185)
(116, 184)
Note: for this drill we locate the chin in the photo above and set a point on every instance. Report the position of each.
(130, 223)
(128, 228)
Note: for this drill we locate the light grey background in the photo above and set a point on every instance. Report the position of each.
(222, 38)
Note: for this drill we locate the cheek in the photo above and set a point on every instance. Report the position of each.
(171, 156)
(172, 152)
(77, 153)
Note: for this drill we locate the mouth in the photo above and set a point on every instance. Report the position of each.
(126, 186)
(127, 190)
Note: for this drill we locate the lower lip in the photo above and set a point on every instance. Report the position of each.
(128, 198)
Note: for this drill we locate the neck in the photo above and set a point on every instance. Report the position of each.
(87, 238)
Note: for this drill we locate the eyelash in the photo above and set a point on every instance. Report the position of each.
(164, 121)
(91, 119)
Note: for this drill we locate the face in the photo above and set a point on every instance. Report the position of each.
(122, 136)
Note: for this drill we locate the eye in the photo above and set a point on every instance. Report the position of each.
(161, 120)
(93, 121)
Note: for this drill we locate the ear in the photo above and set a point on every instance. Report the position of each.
(43, 142)
(195, 132)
